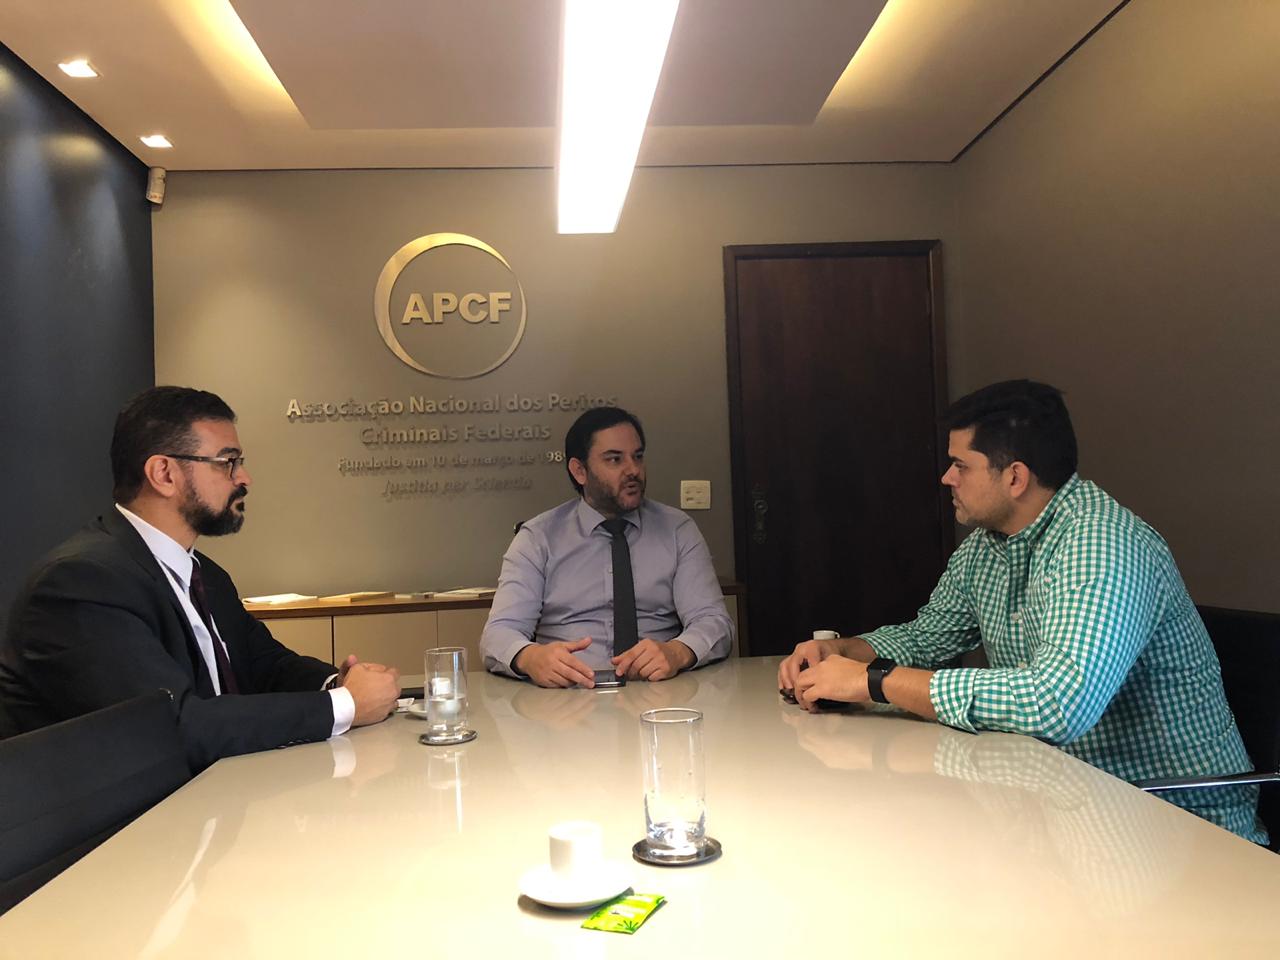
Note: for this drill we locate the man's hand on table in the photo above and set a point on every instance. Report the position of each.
(373, 687)
(345, 666)
(653, 660)
(810, 653)
(835, 678)
(554, 664)
(843, 677)
(813, 652)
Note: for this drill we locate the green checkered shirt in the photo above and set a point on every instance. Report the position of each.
(1093, 645)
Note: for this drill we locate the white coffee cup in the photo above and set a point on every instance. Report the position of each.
(826, 635)
(576, 848)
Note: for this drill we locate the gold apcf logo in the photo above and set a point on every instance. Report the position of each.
(457, 314)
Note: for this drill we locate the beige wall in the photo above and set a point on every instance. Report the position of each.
(264, 285)
(1114, 235)
(1117, 236)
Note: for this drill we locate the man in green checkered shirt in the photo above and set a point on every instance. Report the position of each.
(1093, 643)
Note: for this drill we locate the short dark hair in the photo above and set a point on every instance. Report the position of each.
(157, 421)
(577, 442)
(1020, 420)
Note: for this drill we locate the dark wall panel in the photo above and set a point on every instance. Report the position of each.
(75, 313)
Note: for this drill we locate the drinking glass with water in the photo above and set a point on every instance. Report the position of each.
(445, 690)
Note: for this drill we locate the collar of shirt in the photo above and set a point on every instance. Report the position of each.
(163, 547)
(589, 518)
(1033, 532)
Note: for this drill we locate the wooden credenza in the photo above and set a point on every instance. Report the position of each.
(395, 632)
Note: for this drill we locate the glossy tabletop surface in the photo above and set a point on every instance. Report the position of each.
(860, 834)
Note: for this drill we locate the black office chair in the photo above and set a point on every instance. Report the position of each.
(66, 788)
(1248, 646)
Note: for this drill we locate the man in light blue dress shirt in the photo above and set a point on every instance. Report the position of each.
(552, 619)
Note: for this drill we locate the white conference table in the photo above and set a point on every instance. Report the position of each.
(857, 834)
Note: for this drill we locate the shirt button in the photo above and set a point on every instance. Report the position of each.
(1016, 616)
(608, 570)
(1022, 664)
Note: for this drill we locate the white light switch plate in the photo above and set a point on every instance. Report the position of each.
(695, 494)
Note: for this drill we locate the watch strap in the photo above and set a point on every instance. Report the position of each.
(877, 670)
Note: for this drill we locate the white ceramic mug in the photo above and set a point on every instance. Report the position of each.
(826, 635)
(576, 847)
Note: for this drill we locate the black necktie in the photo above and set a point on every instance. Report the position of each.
(625, 633)
(226, 679)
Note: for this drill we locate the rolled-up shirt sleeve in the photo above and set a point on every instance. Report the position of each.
(706, 627)
(517, 605)
(1102, 604)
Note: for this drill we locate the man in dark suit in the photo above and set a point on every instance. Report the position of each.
(127, 606)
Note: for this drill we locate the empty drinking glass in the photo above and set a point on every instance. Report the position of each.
(675, 809)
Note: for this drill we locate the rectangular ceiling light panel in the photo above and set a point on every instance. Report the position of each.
(80, 69)
(610, 63)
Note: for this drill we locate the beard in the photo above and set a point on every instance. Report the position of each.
(606, 501)
(995, 517)
(208, 522)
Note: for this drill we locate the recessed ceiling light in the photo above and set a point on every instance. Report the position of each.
(157, 140)
(80, 69)
(612, 57)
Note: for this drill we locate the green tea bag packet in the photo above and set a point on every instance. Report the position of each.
(625, 914)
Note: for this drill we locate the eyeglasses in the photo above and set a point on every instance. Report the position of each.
(231, 463)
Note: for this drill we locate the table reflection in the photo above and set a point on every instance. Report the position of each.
(1119, 848)
(446, 778)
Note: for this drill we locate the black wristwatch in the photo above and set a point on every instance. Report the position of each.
(877, 670)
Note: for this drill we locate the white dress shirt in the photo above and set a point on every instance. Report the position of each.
(176, 562)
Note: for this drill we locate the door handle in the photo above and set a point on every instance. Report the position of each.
(759, 509)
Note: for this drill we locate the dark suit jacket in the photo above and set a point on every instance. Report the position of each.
(98, 623)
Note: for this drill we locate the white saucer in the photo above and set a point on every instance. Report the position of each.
(546, 887)
(417, 709)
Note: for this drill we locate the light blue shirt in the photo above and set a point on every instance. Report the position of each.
(557, 584)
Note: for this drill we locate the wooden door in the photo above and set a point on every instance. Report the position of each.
(837, 377)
